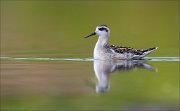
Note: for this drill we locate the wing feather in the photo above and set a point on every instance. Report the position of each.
(123, 49)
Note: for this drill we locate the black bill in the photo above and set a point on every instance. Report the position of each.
(94, 33)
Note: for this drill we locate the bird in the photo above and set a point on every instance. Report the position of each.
(105, 51)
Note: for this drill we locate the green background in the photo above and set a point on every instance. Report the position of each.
(57, 27)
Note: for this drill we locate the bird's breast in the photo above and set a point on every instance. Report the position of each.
(101, 53)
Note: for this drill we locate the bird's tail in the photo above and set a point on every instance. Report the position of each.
(147, 51)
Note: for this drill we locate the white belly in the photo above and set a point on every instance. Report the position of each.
(102, 53)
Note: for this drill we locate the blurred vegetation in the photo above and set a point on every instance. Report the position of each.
(56, 28)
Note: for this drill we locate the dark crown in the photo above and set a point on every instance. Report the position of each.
(103, 25)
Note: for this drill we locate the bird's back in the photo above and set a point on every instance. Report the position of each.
(122, 52)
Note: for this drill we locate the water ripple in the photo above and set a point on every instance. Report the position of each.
(170, 59)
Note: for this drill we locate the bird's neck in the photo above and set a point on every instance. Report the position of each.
(102, 41)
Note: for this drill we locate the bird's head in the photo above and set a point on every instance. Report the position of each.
(101, 31)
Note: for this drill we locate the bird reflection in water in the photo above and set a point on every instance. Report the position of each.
(103, 69)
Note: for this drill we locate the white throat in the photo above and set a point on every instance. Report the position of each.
(102, 41)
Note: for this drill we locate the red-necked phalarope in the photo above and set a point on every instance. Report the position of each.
(104, 51)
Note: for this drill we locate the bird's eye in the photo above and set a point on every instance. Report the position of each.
(103, 29)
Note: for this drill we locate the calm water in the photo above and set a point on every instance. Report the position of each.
(44, 64)
(87, 84)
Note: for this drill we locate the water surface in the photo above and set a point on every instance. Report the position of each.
(87, 84)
